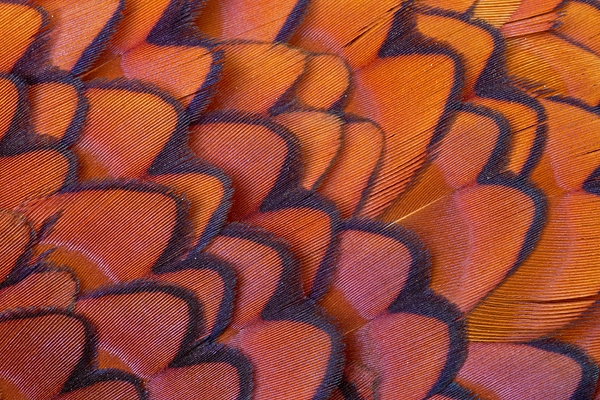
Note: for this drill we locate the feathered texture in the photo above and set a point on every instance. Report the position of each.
(303, 200)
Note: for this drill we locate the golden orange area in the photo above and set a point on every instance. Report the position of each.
(110, 361)
(89, 274)
(179, 70)
(107, 66)
(52, 106)
(324, 82)
(581, 22)
(251, 155)
(548, 64)
(567, 163)
(204, 192)
(344, 313)
(31, 175)
(74, 26)
(523, 123)
(467, 148)
(124, 132)
(244, 19)
(306, 230)
(496, 12)
(454, 5)
(540, 23)
(320, 136)
(139, 18)
(459, 159)
(474, 238)
(430, 187)
(584, 333)
(564, 267)
(473, 43)
(392, 91)
(361, 151)
(356, 33)
(256, 75)
(532, 8)
(20, 24)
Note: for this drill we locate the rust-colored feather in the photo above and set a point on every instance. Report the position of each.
(299, 200)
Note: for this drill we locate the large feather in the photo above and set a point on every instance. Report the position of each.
(299, 200)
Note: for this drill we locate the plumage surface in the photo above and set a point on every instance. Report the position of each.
(303, 199)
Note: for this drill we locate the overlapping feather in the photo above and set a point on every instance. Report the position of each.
(311, 199)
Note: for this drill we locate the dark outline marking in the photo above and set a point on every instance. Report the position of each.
(100, 42)
(181, 161)
(566, 37)
(219, 353)
(349, 390)
(37, 55)
(289, 175)
(16, 138)
(195, 315)
(493, 73)
(512, 94)
(305, 199)
(88, 352)
(40, 267)
(176, 19)
(19, 271)
(75, 128)
(308, 313)
(107, 375)
(418, 276)
(589, 369)
(206, 92)
(289, 287)
(70, 177)
(493, 82)
(179, 132)
(404, 39)
(340, 137)
(284, 101)
(431, 305)
(292, 22)
(538, 222)
(366, 191)
(591, 184)
(534, 232)
(498, 159)
(225, 271)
